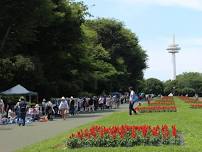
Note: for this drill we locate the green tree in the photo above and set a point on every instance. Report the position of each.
(49, 33)
(191, 80)
(101, 71)
(19, 21)
(153, 86)
(126, 55)
(186, 83)
(169, 87)
(50, 47)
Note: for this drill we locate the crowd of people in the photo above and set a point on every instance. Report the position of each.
(22, 113)
(74, 106)
(17, 114)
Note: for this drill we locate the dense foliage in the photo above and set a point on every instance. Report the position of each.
(185, 84)
(154, 86)
(50, 47)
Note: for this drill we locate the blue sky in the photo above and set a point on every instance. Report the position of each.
(155, 22)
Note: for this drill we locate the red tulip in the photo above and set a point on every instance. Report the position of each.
(174, 131)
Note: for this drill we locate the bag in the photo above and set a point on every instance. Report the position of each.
(43, 119)
(135, 98)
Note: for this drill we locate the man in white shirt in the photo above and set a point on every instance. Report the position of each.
(132, 101)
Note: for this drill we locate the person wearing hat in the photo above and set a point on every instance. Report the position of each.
(35, 115)
(44, 107)
(63, 107)
(49, 110)
(23, 110)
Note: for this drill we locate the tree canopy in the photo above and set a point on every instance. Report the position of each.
(153, 86)
(50, 47)
(185, 84)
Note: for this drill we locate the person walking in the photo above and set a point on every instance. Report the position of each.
(49, 110)
(71, 107)
(17, 111)
(63, 107)
(1, 106)
(95, 103)
(101, 102)
(108, 102)
(132, 99)
(84, 103)
(44, 107)
(91, 106)
(149, 99)
(23, 110)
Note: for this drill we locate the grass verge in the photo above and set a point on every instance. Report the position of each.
(187, 120)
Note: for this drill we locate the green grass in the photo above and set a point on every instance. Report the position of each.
(187, 120)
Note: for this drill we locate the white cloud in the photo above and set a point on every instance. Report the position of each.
(193, 4)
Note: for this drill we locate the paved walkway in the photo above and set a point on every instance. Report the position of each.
(13, 137)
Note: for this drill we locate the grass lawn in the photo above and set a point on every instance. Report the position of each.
(187, 120)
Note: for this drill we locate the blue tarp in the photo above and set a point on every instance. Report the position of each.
(18, 90)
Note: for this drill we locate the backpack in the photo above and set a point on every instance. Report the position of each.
(23, 107)
(135, 98)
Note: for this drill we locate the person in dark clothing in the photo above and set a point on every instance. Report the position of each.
(72, 102)
(56, 109)
(79, 104)
(23, 110)
(95, 102)
(91, 101)
(6, 109)
(104, 102)
(84, 104)
(49, 110)
(91, 107)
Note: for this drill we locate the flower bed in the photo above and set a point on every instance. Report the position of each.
(196, 106)
(183, 97)
(126, 136)
(193, 101)
(156, 109)
(161, 103)
(163, 100)
(167, 98)
(190, 100)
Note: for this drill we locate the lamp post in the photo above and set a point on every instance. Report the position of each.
(173, 49)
